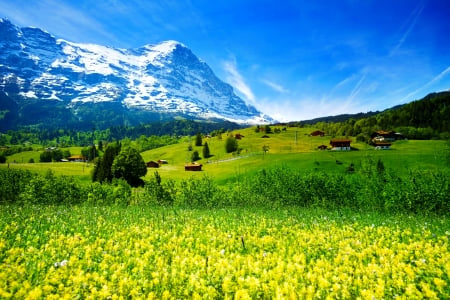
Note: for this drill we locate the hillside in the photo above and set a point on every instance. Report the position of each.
(293, 147)
(427, 118)
(432, 111)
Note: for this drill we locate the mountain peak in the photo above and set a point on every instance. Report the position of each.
(133, 84)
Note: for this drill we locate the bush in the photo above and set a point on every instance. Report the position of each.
(2, 158)
(198, 193)
(231, 144)
(159, 193)
(45, 156)
(51, 189)
(13, 183)
(195, 156)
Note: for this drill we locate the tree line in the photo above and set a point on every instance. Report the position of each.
(428, 118)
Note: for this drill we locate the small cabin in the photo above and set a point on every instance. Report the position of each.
(193, 167)
(322, 147)
(238, 136)
(340, 144)
(317, 133)
(163, 162)
(152, 164)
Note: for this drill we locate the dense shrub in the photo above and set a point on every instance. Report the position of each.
(374, 189)
(13, 183)
(51, 189)
(157, 192)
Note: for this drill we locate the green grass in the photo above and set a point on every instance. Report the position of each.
(293, 147)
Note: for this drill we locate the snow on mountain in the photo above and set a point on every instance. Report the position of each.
(162, 78)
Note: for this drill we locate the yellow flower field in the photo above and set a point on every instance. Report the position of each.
(117, 253)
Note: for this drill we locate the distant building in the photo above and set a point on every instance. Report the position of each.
(388, 136)
(317, 133)
(381, 145)
(238, 136)
(193, 167)
(152, 164)
(76, 158)
(322, 147)
(340, 144)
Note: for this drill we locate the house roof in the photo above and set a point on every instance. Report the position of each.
(381, 144)
(76, 157)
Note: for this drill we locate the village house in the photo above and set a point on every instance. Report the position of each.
(381, 145)
(77, 158)
(152, 164)
(386, 136)
(317, 133)
(340, 144)
(193, 167)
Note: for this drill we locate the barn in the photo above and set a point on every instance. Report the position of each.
(317, 133)
(152, 164)
(193, 167)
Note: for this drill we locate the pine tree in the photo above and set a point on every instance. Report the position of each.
(206, 153)
(102, 169)
(198, 139)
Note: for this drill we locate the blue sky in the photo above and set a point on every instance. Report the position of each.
(293, 60)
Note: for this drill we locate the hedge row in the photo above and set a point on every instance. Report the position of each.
(418, 192)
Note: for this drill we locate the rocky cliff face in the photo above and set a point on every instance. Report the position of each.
(49, 79)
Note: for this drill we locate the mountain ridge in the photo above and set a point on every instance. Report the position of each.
(159, 81)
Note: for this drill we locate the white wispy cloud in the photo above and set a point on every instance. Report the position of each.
(235, 79)
(275, 86)
(357, 89)
(60, 18)
(427, 86)
(408, 26)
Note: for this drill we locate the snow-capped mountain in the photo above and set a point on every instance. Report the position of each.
(56, 77)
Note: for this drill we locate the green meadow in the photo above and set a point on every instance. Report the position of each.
(292, 147)
(292, 222)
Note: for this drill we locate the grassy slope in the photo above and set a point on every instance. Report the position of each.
(283, 151)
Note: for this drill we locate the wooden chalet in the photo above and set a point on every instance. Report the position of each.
(317, 133)
(152, 164)
(340, 144)
(381, 145)
(322, 147)
(386, 136)
(193, 167)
